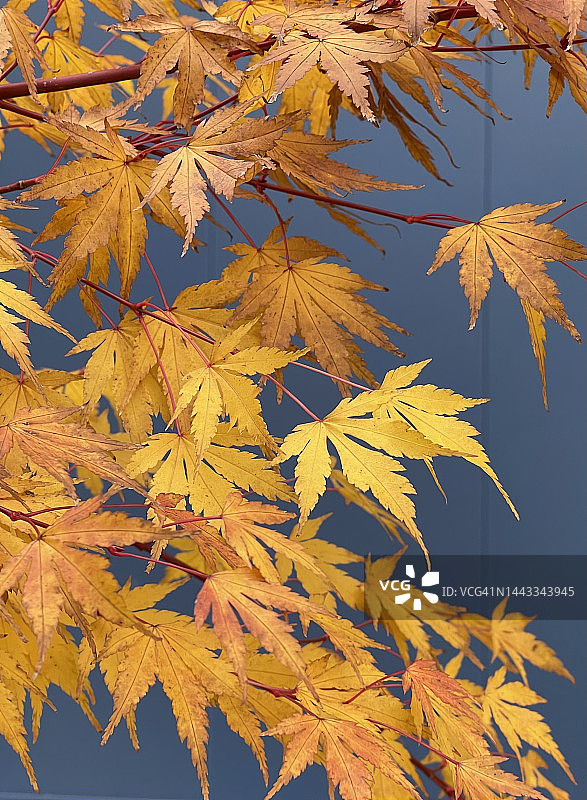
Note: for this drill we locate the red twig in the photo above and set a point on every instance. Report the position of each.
(161, 368)
(157, 281)
(229, 213)
(335, 201)
(120, 553)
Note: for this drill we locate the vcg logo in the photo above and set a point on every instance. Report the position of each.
(428, 579)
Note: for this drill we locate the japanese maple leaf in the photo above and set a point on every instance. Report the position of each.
(341, 52)
(506, 703)
(370, 466)
(221, 387)
(224, 147)
(432, 411)
(16, 34)
(243, 592)
(112, 206)
(509, 238)
(198, 47)
(13, 339)
(305, 157)
(481, 777)
(318, 301)
(244, 525)
(173, 651)
(433, 690)
(47, 441)
(55, 566)
(223, 467)
(351, 750)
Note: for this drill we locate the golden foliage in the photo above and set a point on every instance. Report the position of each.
(168, 404)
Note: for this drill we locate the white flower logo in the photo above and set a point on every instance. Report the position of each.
(428, 579)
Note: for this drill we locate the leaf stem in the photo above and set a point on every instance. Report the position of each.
(335, 201)
(161, 368)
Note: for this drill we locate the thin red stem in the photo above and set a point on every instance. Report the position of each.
(229, 213)
(431, 775)
(119, 553)
(162, 369)
(27, 323)
(157, 281)
(335, 201)
(374, 685)
(293, 397)
(97, 305)
(568, 211)
(574, 269)
(260, 188)
(449, 23)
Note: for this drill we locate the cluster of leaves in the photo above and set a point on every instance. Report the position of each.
(167, 407)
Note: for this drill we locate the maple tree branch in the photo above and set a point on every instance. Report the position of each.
(335, 201)
(24, 112)
(120, 553)
(497, 48)
(133, 71)
(433, 776)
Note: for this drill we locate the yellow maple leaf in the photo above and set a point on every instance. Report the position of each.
(220, 388)
(242, 591)
(505, 704)
(373, 468)
(224, 133)
(305, 157)
(50, 443)
(111, 207)
(54, 566)
(197, 47)
(183, 660)
(296, 294)
(244, 524)
(482, 778)
(12, 338)
(535, 320)
(341, 53)
(432, 411)
(509, 238)
(16, 35)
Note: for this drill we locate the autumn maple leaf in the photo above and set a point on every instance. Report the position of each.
(56, 566)
(341, 53)
(47, 441)
(510, 239)
(295, 292)
(196, 46)
(224, 133)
